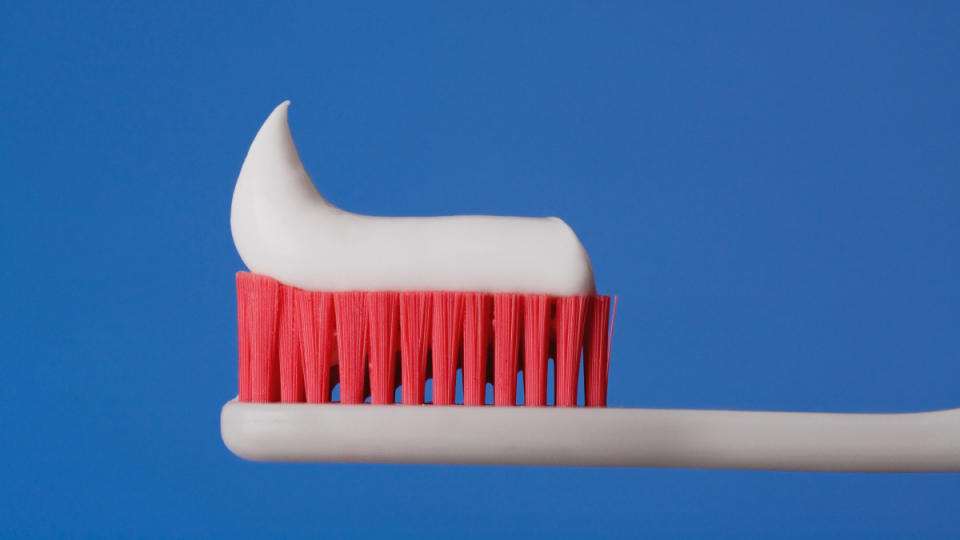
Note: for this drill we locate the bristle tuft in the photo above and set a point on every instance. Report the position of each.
(261, 302)
(536, 340)
(315, 320)
(476, 336)
(382, 312)
(289, 350)
(506, 341)
(351, 344)
(445, 345)
(245, 393)
(595, 352)
(571, 316)
(414, 343)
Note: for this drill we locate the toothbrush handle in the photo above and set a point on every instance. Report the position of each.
(913, 442)
(675, 438)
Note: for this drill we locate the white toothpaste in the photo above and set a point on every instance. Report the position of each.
(285, 229)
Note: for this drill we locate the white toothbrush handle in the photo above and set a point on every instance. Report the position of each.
(914, 442)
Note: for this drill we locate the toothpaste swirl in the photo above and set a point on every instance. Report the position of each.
(283, 228)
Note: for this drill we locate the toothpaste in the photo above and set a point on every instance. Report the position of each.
(283, 228)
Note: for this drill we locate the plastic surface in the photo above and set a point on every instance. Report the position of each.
(915, 442)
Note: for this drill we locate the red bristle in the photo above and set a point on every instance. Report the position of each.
(351, 344)
(595, 350)
(287, 336)
(476, 336)
(613, 318)
(445, 345)
(536, 341)
(315, 321)
(571, 315)
(288, 349)
(261, 305)
(506, 341)
(414, 343)
(243, 338)
(382, 317)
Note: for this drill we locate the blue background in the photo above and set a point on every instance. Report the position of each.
(772, 192)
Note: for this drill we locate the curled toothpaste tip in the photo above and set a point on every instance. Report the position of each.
(282, 227)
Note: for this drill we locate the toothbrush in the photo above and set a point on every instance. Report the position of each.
(375, 304)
